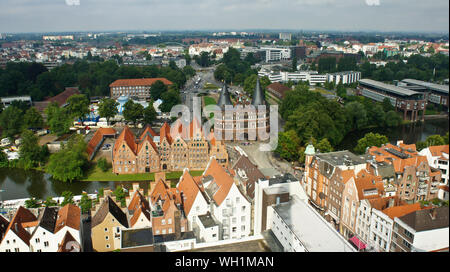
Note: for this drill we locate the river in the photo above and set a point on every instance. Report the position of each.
(18, 183)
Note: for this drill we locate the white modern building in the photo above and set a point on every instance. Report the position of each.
(299, 228)
(277, 53)
(275, 190)
(347, 77)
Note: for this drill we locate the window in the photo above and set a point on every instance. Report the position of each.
(169, 221)
(37, 240)
(106, 229)
(164, 231)
(46, 244)
(242, 218)
(16, 250)
(170, 230)
(107, 245)
(163, 222)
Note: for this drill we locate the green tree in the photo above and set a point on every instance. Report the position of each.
(32, 119)
(119, 193)
(107, 108)
(78, 106)
(11, 121)
(49, 202)
(387, 105)
(103, 164)
(67, 198)
(392, 119)
(133, 111)
(4, 163)
(70, 162)
(294, 63)
(170, 99)
(31, 203)
(149, 114)
(189, 71)
(58, 119)
(157, 89)
(369, 140)
(85, 203)
(288, 145)
(30, 151)
(324, 146)
(356, 115)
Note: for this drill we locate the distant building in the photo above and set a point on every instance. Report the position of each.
(285, 36)
(134, 87)
(6, 101)
(240, 122)
(421, 231)
(278, 90)
(347, 77)
(274, 54)
(408, 101)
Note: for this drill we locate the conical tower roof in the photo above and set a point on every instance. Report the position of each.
(258, 95)
(224, 98)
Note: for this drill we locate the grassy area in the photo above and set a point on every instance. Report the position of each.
(209, 100)
(95, 174)
(210, 86)
(322, 91)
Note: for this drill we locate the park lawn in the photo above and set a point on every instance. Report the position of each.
(209, 100)
(96, 174)
(322, 91)
(210, 86)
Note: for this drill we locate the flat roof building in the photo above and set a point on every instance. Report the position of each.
(434, 93)
(299, 228)
(406, 100)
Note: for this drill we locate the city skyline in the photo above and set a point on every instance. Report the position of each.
(26, 16)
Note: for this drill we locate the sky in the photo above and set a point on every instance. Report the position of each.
(160, 15)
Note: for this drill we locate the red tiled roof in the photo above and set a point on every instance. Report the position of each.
(139, 82)
(165, 133)
(126, 137)
(22, 216)
(437, 150)
(223, 180)
(98, 137)
(61, 98)
(399, 211)
(189, 188)
(278, 87)
(69, 215)
(139, 205)
(366, 181)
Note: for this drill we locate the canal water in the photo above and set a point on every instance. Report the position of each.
(18, 183)
(409, 133)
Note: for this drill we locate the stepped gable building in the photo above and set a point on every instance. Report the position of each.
(414, 179)
(239, 123)
(185, 147)
(139, 87)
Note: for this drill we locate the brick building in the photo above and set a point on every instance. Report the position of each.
(184, 147)
(139, 87)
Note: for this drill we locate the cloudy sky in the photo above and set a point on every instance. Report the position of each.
(345, 15)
